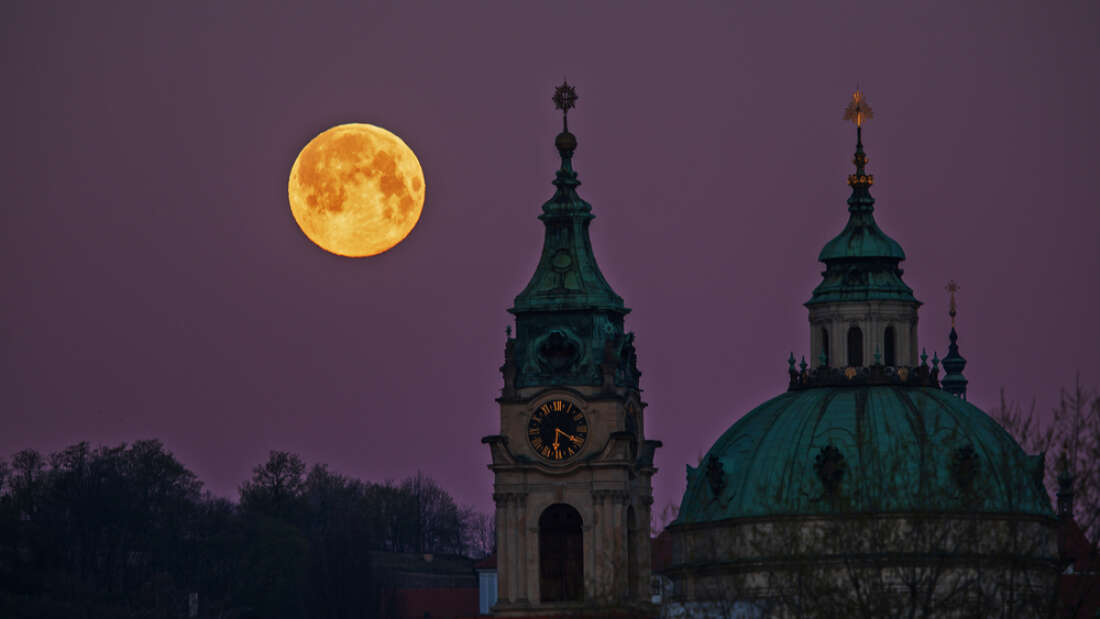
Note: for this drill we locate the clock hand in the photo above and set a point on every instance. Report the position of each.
(566, 435)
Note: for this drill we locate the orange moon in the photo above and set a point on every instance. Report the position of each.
(356, 190)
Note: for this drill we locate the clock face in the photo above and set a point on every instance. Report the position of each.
(557, 430)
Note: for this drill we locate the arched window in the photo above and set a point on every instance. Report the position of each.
(631, 553)
(561, 563)
(855, 347)
(825, 345)
(888, 347)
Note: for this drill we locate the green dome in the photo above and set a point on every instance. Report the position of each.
(861, 238)
(829, 450)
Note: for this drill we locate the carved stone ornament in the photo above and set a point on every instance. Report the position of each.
(508, 370)
(558, 351)
(830, 467)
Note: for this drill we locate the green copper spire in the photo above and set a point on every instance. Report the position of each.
(569, 322)
(567, 276)
(862, 261)
(953, 381)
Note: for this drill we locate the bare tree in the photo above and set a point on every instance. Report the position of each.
(1071, 440)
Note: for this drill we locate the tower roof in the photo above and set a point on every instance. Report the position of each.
(569, 322)
(567, 276)
(862, 261)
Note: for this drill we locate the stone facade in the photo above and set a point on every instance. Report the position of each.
(608, 482)
(954, 565)
(831, 321)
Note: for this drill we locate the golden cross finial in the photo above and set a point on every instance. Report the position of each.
(858, 110)
(952, 288)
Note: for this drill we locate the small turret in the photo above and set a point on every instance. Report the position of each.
(953, 381)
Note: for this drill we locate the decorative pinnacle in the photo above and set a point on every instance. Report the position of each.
(565, 99)
(952, 288)
(858, 109)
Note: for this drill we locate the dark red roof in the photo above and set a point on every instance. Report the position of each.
(488, 563)
(1079, 584)
(433, 603)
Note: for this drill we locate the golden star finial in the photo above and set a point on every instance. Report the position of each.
(858, 110)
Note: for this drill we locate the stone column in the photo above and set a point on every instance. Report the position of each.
(645, 551)
(914, 351)
(601, 543)
(868, 329)
(621, 530)
(504, 551)
(525, 537)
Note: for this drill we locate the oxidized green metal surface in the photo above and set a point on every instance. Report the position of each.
(569, 322)
(901, 449)
(567, 276)
(862, 261)
(954, 363)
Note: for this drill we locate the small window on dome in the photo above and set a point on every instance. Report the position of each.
(855, 347)
(825, 345)
(888, 348)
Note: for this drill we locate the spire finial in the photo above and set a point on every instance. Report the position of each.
(952, 288)
(565, 99)
(859, 110)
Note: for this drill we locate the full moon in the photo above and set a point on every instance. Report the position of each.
(356, 190)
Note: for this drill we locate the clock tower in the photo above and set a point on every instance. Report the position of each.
(571, 464)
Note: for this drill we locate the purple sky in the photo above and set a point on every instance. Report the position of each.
(155, 284)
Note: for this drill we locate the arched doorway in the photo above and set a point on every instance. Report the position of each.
(888, 347)
(561, 560)
(855, 347)
(825, 346)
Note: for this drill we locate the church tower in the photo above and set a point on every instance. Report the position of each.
(571, 464)
(862, 312)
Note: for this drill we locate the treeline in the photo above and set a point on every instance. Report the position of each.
(128, 531)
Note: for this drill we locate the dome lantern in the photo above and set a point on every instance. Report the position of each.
(862, 306)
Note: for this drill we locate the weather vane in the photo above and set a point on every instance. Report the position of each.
(565, 98)
(952, 288)
(858, 110)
